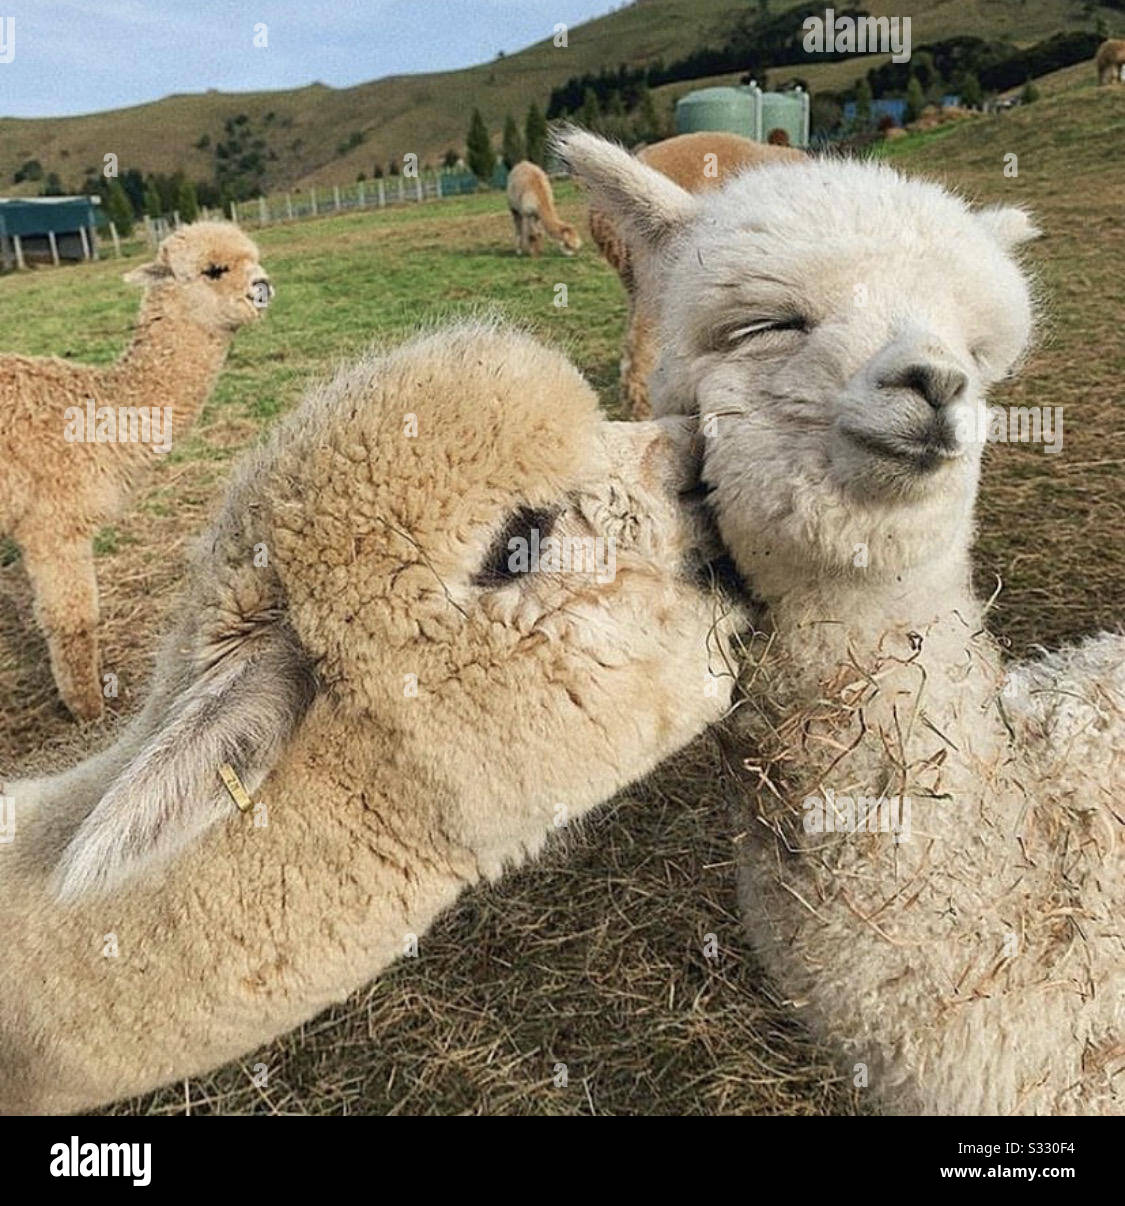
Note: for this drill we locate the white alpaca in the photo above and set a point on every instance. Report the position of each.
(837, 327)
(412, 704)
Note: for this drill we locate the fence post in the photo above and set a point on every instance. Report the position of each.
(437, 184)
(176, 218)
(116, 240)
(421, 188)
(362, 195)
(263, 212)
(234, 212)
(382, 195)
(19, 251)
(312, 193)
(336, 195)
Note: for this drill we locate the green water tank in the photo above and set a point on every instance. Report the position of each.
(785, 111)
(730, 109)
(745, 110)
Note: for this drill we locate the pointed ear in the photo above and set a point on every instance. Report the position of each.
(1009, 225)
(241, 711)
(148, 274)
(645, 202)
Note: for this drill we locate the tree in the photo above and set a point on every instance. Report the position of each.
(31, 170)
(535, 135)
(449, 159)
(512, 146)
(52, 186)
(970, 90)
(118, 208)
(152, 201)
(647, 126)
(478, 147)
(590, 114)
(1030, 93)
(187, 202)
(134, 185)
(863, 104)
(915, 100)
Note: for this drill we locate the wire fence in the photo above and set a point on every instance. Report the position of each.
(314, 202)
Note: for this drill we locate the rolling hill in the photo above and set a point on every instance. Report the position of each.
(307, 131)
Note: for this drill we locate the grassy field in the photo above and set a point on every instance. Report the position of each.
(427, 114)
(593, 956)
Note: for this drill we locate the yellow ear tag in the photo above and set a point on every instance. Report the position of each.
(233, 784)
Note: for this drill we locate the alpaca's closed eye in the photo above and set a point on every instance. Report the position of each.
(511, 551)
(760, 326)
(214, 271)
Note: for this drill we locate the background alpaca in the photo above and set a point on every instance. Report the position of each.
(697, 162)
(1110, 61)
(416, 716)
(532, 206)
(59, 484)
(975, 967)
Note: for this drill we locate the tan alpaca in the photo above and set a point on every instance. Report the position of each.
(932, 843)
(1110, 61)
(64, 471)
(697, 162)
(532, 205)
(447, 609)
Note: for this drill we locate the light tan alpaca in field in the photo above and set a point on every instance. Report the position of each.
(932, 842)
(1110, 61)
(532, 205)
(67, 467)
(696, 162)
(445, 610)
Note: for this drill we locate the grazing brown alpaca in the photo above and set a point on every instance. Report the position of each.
(697, 162)
(1110, 61)
(532, 205)
(75, 440)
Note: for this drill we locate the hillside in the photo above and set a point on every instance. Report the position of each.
(305, 130)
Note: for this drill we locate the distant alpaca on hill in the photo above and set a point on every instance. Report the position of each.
(75, 441)
(413, 703)
(1110, 61)
(697, 162)
(532, 205)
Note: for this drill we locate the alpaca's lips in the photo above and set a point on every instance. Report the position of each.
(936, 444)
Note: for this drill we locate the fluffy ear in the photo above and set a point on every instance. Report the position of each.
(1008, 225)
(148, 274)
(649, 205)
(242, 711)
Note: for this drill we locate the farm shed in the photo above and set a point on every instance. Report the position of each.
(49, 229)
(746, 110)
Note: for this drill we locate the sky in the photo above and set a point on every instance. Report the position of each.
(79, 56)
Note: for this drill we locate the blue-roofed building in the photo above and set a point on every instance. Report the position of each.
(49, 229)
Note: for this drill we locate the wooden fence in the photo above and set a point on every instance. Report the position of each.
(322, 201)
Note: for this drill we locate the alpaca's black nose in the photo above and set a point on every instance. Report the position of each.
(940, 384)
